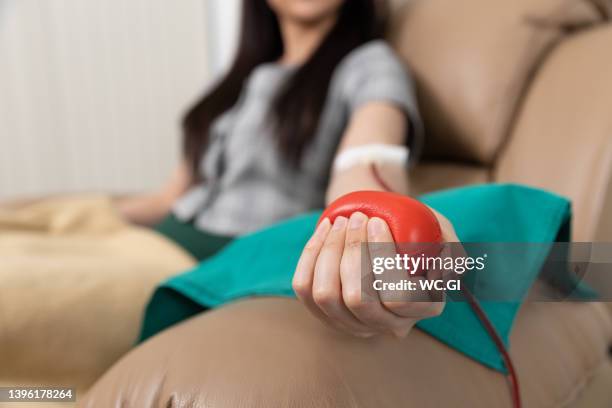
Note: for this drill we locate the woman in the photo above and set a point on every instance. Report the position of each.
(311, 80)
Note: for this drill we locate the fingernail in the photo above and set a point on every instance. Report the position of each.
(323, 226)
(339, 223)
(375, 227)
(357, 220)
(401, 333)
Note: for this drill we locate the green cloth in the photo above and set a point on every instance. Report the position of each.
(200, 244)
(262, 264)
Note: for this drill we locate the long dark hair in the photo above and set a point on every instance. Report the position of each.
(298, 106)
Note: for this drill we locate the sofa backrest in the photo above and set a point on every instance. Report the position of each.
(478, 65)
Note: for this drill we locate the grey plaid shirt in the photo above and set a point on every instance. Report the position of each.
(248, 184)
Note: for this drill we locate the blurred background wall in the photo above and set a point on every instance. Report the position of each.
(91, 92)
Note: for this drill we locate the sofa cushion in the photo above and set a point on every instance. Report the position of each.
(472, 61)
(562, 140)
(75, 279)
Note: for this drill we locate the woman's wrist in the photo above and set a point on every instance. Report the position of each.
(360, 177)
(144, 209)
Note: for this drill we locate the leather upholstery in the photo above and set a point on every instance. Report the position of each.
(481, 53)
(272, 353)
(430, 176)
(562, 140)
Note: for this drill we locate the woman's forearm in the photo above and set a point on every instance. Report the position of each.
(149, 209)
(143, 209)
(374, 123)
(361, 177)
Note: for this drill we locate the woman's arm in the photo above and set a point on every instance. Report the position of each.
(328, 277)
(375, 122)
(150, 208)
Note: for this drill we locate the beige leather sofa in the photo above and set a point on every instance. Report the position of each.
(511, 91)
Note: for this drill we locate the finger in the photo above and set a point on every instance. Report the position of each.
(326, 288)
(423, 303)
(452, 248)
(407, 305)
(304, 271)
(438, 273)
(363, 301)
(354, 267)
(448, 231)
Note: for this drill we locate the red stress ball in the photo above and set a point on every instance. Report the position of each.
(410, 221)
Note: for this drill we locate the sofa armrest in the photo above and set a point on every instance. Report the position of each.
(270, 352)
(562, 140)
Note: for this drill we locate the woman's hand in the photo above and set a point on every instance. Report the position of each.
(329, 279)
(149, 209)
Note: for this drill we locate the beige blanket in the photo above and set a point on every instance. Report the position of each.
(74, 279)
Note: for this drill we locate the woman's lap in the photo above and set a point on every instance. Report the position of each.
(167, 306)
(200, 244)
